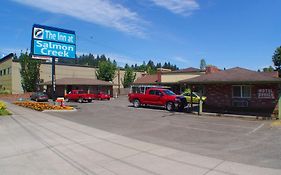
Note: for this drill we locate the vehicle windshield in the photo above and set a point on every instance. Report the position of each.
(195, 94)
(168, 92)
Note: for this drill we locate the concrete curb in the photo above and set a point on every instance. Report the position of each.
(207, 114)
(74, 110)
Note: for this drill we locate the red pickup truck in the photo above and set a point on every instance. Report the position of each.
(158, 97)
(79, 95)
(102, 96)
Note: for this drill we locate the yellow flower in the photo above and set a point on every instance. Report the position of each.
(2, 105)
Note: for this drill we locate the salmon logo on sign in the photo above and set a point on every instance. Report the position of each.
(38, 33)
(53, 42)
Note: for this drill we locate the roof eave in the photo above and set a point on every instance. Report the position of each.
(231, 82)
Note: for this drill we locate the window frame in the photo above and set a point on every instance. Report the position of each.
(158, 93)
(9, 71)
(241, 91)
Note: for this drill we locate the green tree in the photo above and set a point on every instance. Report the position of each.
(150, 71)
(115, 63)
(30, 72)
(202, 64)
(106, 71)
(129, 77)
(142, 67)
(268, 69)
(276, 58)
(126, 66)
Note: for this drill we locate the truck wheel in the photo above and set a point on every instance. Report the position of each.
(89, 101)
(181, 108)
(136, 103)
(170, 106)
(80, 100)
(66, 100)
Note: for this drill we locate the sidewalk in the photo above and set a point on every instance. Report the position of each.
(38, 143)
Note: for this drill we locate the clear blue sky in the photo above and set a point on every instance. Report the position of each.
(226, 33)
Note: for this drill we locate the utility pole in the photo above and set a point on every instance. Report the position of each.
(200, 107)
(119, 83)
(53, 79)
(279, 105)
(191, 98)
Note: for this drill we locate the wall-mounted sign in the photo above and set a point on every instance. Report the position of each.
(41, 57)
(53, 42)
(265, 93)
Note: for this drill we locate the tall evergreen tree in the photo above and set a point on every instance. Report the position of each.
(115, 63)
(202, 64)
(158, 65)
(276, 58)
(126, 66)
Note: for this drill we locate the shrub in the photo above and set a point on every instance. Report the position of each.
(4, 112)
(3, 109)
(2, 105)
(5, 92)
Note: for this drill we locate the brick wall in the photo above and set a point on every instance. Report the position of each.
(212, 69)
(219, 97)
(264, 103)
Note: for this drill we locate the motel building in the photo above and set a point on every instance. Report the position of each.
(166, 78)
(68, 77)
(89, 85)
(236, 90)
(239, 90)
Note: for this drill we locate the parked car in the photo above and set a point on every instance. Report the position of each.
(102, 96)
(158, 97)
(39, 96)
(195, 97)
(79, 96)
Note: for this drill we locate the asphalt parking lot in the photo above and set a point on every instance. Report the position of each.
(247, 141)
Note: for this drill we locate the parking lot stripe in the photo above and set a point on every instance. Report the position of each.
(227, 125)
(255, 129)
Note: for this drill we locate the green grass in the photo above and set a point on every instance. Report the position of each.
(5, 92)
(5, 112)
(276, 123)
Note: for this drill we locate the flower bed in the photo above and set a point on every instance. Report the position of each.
(3, 109)
(42, 106)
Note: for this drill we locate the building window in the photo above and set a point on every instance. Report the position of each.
(9, 71)
(241, 91)
(4, 72)
(0, 72)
